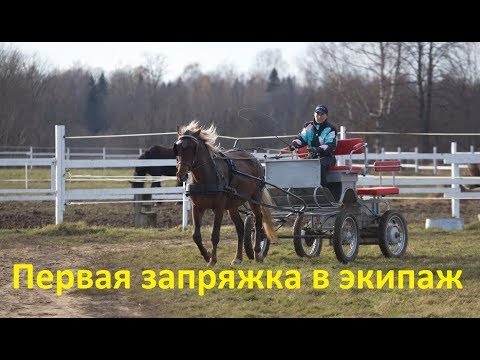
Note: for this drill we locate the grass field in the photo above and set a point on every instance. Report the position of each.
(76, 246)
(102, 237)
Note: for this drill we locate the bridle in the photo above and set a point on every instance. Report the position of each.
(193, 165)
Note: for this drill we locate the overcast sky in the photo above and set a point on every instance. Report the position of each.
(115, 55)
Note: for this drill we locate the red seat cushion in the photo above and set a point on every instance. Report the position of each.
(355, 169)
(380, 190)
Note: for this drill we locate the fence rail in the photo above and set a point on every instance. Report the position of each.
(449, 186)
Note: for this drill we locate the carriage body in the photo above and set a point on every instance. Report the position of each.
(225, 180)
(340, 213)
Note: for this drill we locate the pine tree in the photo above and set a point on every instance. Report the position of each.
(96, 112)
(273, 81)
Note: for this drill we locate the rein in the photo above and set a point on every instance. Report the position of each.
(219, 188)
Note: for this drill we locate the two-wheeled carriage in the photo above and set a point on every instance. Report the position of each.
(341, 212)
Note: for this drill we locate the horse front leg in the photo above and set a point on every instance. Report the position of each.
(217, 222)
(197, 215)
(237, 220)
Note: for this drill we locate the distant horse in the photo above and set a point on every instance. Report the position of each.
(473, 170)
(155, 152)
(222, 181)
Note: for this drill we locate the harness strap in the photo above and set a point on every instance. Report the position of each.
(208, 189)
(231, 167)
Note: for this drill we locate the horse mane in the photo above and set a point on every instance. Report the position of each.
(207, 135)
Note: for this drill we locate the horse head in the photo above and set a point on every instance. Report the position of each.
(185, 149)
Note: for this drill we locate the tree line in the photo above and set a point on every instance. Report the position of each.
(399, 87)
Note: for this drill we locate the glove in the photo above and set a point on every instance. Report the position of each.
(318, 150)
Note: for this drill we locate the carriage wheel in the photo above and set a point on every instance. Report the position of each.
(249, 239)
(346, 237)
(392, 234)
(306, 242)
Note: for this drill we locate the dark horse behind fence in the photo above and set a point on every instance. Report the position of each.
(222, 181)
(473, 170)
(155, 152)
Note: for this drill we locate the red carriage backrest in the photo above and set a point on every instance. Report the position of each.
(386, 165)
(345, 146)
(349, 147)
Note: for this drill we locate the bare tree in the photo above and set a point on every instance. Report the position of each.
(340, 63)
(425, 62)
(155, 68)
(267, 60)
(383, 59)
(325, 63)
(457, 101)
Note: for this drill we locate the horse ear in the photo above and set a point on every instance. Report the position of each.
(178, 129)
(197, 133)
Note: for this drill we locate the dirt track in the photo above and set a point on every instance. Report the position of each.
(40, 303)
(16, 215)
(25, 302)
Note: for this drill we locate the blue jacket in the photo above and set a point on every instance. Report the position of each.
(319, 138)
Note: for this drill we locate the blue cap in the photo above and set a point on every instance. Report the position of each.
(322, 109)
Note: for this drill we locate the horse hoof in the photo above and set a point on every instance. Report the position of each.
(258, 258)
(236, 262)
(208, 257)
(211, 263)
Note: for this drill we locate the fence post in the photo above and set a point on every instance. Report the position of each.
(435, 171)
(26, 176)
(416, 160)
(455, 174)
(59, 173)
(343, 135)
(31, 155)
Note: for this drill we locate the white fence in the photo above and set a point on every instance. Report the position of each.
(103, 153)
(449, 186)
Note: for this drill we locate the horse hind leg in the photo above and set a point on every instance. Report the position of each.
(197, 215)
(257, 212)
(237, 220)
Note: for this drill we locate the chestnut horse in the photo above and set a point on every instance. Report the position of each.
(222, 181)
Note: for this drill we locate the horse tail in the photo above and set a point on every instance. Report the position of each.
(267, 219)
(474, 169)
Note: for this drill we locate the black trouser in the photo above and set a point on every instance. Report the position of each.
(326, 162)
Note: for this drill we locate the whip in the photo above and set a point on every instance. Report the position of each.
(258, 123)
